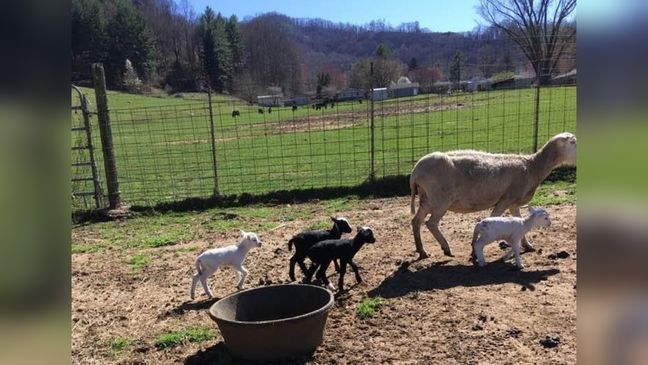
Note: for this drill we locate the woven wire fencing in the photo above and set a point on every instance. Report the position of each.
(168, 153)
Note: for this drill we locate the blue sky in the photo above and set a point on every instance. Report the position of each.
(437, 15)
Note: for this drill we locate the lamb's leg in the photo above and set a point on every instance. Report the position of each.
(291, 269)
(242, 275)
(515, 211)
(417, 221)
(194, 281)
(321, 275)
(433, 225)
(337, 266)
(478, 250)
(203, 281)
(516, 249)
(355, 271)
(343, 265)
(309, 273)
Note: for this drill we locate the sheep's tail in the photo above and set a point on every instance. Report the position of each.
(290, 244)
(413, 193)
(199, 267)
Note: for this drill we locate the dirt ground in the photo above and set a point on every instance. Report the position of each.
(439, 310)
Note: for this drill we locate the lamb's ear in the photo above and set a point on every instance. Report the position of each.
(333, 218)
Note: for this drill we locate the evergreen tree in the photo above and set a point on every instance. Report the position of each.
(455, 67)
(413, 64)
(383, 50)
(216, 52)
(235, 44)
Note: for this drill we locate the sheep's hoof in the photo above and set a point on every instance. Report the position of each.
(448, 253)
(423, 255)
(528, 247)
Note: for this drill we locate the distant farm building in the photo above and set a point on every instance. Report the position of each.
(270, 100)
(350, 94)
(297, 101)
(379, 93)
(403, 87)
(568, 78)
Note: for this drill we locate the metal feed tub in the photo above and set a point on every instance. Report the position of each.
(273, 322)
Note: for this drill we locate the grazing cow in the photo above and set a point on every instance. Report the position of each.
(260, 111)
(269, 110)
(235, 114)
(294, 107)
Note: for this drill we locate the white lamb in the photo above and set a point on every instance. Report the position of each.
(509, 229)
(209, 261)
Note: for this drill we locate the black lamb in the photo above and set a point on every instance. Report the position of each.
(323, 252)
(304, 240)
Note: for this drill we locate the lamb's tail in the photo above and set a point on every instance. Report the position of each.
(290, 244)
(199, 267)
(413, 193)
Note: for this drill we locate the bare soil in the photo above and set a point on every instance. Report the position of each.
(440, 310)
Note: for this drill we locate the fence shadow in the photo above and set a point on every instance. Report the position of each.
(403, 281)
(219, 354)
(384, 187)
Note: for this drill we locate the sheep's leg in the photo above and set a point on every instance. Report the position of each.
(433, 225)
(478, 250)
(194, 281)
(355, 271)
(337, 266)
(242, 275)
(343, 265)
(203, 281)
(296, 260)
(515, 211)
(516, 249)
(310, 272)
(321, 275)
(417, 221)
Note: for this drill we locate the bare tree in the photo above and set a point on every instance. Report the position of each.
(537, 26)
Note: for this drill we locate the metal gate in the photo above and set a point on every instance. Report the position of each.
(86, 184)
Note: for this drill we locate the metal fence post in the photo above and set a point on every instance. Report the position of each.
(213, 140)
(105, 132)
(372, 173)
(537, 116)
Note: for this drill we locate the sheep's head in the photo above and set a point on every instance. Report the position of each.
(250, 239)
(342, 224)
(566, 143)
(367, 234)
(540, 217)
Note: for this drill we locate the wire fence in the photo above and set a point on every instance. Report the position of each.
(167, 153)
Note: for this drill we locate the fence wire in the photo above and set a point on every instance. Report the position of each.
(164, 153)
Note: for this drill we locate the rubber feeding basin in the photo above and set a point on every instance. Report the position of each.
(273, 322)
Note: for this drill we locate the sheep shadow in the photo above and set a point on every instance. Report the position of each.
(219, 354)
(194, 306)
(441, 277)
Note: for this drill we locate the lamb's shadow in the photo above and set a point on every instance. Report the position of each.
(219, 354)
(404, 281)
(194, 306)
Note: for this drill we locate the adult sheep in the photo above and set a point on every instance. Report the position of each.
(470, 181)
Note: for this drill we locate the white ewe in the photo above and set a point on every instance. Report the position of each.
(209, 261)
(470, 181)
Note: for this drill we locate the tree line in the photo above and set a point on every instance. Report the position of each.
(169, 46)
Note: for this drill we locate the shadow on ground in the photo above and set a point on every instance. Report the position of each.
(219, 354)
(439, 276)
(194, 306)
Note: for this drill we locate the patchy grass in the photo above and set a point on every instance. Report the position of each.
(139, 261)
(554, 193)
(175, 338)
(369, 307)
(78, 248)
(118, 344)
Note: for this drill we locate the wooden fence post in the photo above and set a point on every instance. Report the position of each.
(105, 131)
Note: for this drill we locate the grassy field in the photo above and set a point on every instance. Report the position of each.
(163, 144)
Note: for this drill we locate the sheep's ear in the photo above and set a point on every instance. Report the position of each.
(333, 218)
